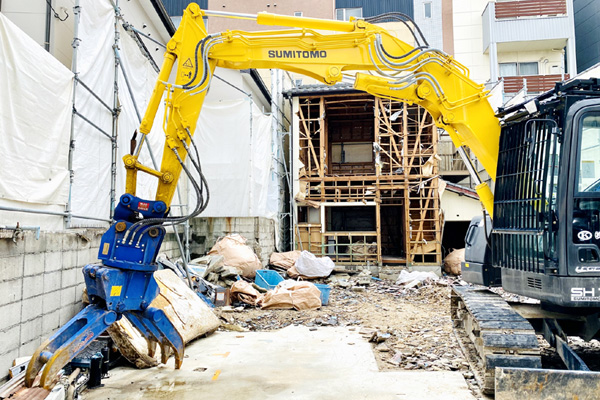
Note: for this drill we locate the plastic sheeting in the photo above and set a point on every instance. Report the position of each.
(93, 150)
(35, 113)
(234, 141)
(233, 136)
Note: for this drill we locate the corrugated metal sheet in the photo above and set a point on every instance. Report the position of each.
(587, 32)
(371, 8)
(175, 7)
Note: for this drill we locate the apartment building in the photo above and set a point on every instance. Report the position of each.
(587, 33)
(526, 44)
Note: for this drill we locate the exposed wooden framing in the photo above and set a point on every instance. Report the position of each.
(406, 143)
(308, 135)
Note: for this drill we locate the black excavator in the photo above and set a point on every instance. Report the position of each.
(543, 243)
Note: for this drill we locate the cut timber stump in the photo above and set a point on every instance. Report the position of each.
(186, 311)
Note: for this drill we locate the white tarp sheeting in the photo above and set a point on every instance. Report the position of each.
(234, 141)
(35, 114)
(233, 136)
(93, 149)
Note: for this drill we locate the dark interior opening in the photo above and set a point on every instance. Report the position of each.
(351, 219)
(392, 231)
(454, 236)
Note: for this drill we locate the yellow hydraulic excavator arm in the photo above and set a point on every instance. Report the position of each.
(373, 58)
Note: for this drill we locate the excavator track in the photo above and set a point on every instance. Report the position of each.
(495, 334)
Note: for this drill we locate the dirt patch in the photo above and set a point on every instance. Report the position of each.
(410, 328)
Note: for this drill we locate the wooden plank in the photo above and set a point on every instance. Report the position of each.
(310, 145)
(322, 137)
(378, 111)
(378, 226)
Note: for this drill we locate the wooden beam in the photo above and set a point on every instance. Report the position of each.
(310, 145)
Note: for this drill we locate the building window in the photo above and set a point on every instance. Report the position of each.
(518, 69)
(344, 14)
(427, 10)
(530, 68)
(297, 13)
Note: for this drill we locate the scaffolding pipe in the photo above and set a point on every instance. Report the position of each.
(75, 45)
(17, 227)
(92, 124)
(294, 229)
(44, 212)
(129, 26)
(115, 117)
(185, 264)
(80, 82)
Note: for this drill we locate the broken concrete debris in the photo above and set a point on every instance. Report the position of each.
(409, 327)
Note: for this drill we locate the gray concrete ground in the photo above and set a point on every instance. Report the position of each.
(292, 363)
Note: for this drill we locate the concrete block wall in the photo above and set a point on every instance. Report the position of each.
(258, 231)
(41, 286)
(41, 280)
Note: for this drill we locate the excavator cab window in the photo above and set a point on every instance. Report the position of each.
(586, 204)
(588, 171)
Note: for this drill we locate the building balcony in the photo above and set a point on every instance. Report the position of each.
(533, 83)
(527, 25)
(530, 8)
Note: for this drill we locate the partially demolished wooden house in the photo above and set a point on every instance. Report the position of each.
(366, 189)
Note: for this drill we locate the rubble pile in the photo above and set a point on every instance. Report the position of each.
(408, 326)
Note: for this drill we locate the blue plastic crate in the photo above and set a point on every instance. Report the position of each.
(325, 289)
(266, 278)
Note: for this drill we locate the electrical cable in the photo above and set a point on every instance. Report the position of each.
(56, 14)
(405, 19)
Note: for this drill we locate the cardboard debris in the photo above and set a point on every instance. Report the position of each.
(453, 261)
(284, 260)
(190, 316)
(237, 254)
(245, 292)
(294, 274)
(292, 294)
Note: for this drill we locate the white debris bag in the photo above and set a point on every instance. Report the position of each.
(310, 265)
(407, 277)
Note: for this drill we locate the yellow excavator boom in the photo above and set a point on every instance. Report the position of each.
(373, 58)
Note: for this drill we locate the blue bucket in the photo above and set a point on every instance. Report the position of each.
(266, 278)
(325, 289)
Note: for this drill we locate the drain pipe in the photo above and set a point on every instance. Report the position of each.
(48, 25)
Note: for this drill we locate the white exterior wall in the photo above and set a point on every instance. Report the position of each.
(459, 208)
(30, 16)
(431, 27)
(468, 38)
(549, 62)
